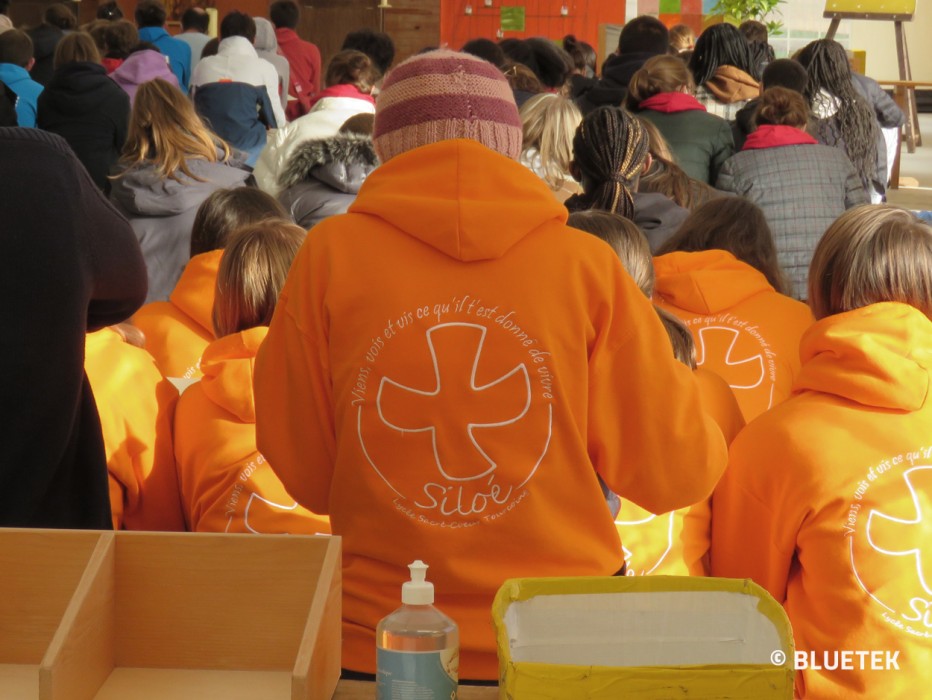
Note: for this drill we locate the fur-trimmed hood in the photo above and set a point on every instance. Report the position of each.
(342, 162)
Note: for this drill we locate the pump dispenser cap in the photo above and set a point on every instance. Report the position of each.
(417, 591)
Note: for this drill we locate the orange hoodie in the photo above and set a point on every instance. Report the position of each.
(745, 331)
(677, 543)
(448, 369)
(226, 485)
(136, 406)
(826, 499)
(178, 330)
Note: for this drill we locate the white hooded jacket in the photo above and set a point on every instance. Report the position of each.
(237, 62)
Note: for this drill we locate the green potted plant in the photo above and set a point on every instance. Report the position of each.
(761, 10)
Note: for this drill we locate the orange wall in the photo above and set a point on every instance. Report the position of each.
(542, 19)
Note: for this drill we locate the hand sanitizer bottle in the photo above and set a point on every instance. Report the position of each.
(417, 646)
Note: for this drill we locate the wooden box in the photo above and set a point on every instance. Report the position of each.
(39, 573)
(185, 616)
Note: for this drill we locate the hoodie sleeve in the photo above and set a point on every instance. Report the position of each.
(649, 437)
(295, 428)
(270, 78)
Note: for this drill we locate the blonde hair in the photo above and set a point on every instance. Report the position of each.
(253, 270)
(682, 38)
(549, 123)
(75, 47)
(684, 345)
(626, 240)
(872, 253)
(164, 129)
(658, 75)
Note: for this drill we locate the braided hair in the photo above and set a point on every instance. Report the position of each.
(722, 45)
(826, 62)
(609, 149)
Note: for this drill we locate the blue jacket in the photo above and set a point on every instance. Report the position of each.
(238, 113)
(178, 52)
(26, 90)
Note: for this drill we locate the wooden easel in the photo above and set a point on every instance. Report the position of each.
(913, 137)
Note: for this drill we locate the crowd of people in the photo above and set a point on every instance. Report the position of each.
(501, 309)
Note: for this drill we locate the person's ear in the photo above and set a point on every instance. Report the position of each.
(32, 62)
(649, 161)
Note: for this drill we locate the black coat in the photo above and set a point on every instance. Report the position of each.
(612, 88)
(91, 112)
(71, 264)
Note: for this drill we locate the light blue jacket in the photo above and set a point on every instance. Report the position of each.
(26, 89)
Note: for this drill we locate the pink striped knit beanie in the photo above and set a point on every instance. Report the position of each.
(445, 95)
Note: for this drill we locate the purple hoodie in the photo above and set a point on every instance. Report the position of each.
(141, 67)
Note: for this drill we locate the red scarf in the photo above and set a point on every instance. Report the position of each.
(111, 64)
(772, 136)
(671, 102)
(340, 91)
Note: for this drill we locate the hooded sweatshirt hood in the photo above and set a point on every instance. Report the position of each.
(730, 84)
(45, 40)
(453, 215)
(78, 88)
(228, 370)
(237, 46)
(141, 191)
(266, 41)
(672, 103)
(706, 282)
(878, 356)
(342, 162)
(194, 293)
(141, 67)
(776, 136)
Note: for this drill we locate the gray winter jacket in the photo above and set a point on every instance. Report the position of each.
(323, 176)
(802, 189)
(161, 212)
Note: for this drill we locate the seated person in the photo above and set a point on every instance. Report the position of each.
(177, 331)
(323, 176)
(784, 72)
(674, 543)
(719, 275)
(226, 485)
(724, 70)
(825, 497)
(136, 406)
(16, 60)
(350, 78)
(801, 185)
(611, 151)
(372, 323)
